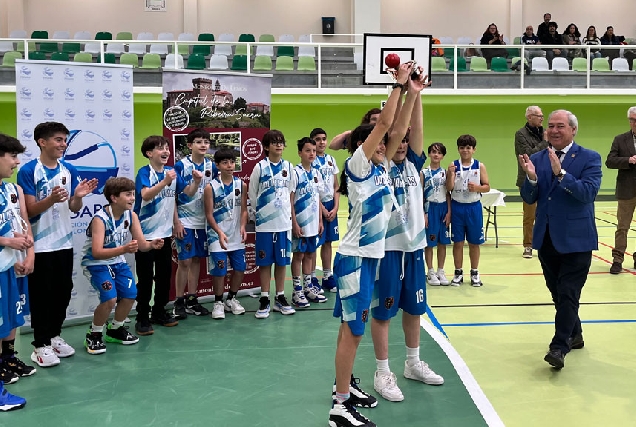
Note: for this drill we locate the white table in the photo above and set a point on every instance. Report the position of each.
(490, 201)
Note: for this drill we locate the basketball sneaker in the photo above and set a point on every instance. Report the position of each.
(298, 298)
(218, 310)
(94, 343)
(45, 356)
(346, 415)
(329, 284)
(263, 308)
(193, 307)
(312, 293)
(61, 347)
(179, 310)
(458, 279)
(144, 327)
(18, 367)
(358, 397)
(432, 279)
(10, 402)
(443, 280)
(385, 384)
(281, 305)
(474, 278)
(7, 376)
(234, 306)
(421, 372)
(120, 335)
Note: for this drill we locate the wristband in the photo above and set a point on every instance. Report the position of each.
(398, 85)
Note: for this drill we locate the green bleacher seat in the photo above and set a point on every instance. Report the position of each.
(196, 62)
(59, 56)
(129, 59)
(579, 64)
(285, 51)
(8, 59)
(239, 63)
(499, 65)
(600, 64)
(124, 35)
(306, 63)
(478, 64)
(103, 35)
(71, 47)
(262, 63)
(461, 64)
(37, 56)
(438, 64)
(151, 60)
(284, 63)
(83, 57)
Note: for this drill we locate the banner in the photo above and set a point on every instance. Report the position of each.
(95, 102)
(234, 108)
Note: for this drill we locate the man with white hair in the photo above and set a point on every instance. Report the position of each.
(529, 140)
(563, 180)
(622, 156)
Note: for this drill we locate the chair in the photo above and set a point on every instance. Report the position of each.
(267, 38)
(6, 47)
(129, 59)
(560, 64)
(83, 57)
(240, 49)
(285, 51)
(31, 46)
(262, 63)
(218, 62)
(516, 59)
(461, 64)
(620, 64)
(48, 47)
(446, 40)
(438, 64)
(145, 35)
(18, 34)
(103, 35)
(600, 64)
(82, 35)
(40, 34)
(304, 38)
(170, 58)
(540, 64)
(224, 49)
(115, 48)
(517, 40)
(357, 59)
(265, 50)
(286, 38)
(161, 49)
(59, 56)
(196, 62)
(204, 50)
(239, 63)
(306, 51)
(140, 48)
(245, 38)
(478, 64)
(499, 65)
(284, 63)
(305, 63)
(150, 60)
(37, 56)
(464, 40)
(579, 64)
(71, 47)
(92, 47)
(124, 35)
(61, 35)
(448, 52)
(513, 51)
(109, 58)
(8, 59)
(184, 49)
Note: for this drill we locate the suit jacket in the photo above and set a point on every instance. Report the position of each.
(528, 143)
(618, 158)
(567, 207)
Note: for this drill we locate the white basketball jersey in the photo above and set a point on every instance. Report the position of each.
(269, 193)
(227, 214)
(156, 215)
(370, 205)
(116, 233)
(464, 175)
(190, 209)
(307, 199)
(328, 169)
(9, 209)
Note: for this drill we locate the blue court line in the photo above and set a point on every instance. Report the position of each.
(535, 323)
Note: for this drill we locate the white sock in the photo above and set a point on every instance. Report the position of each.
(117, 324)
(412, 355)
(313, 274)
(95, 328)
(296, 281)
(383, 365)
(280, 293)
(265, 294)
(306, 280)
(326, 273)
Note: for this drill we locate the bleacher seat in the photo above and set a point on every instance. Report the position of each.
(304, 38)
(204, 50)
(18, 34)
(579, 64)
(560, 64)
(37, 56)
(8, 59)
(40, 34)
(92, 47)
(71, 47)
(620, 64)
(498, 64)
(104, 35)
(218, 62)
(285, 51)
(438, 64)
(196, 62)
(224, 49)
(140, 48)
(109, 58)
(61, 35)
(461, 64)
(306, 63)
(286, 38)
(129, 59)
(59, 56)
(83, 35)
(262, 63)
(161, 48)
(284, 63)
(240, 49)
(6, 47)
(184, 49)
(478, 64)
(115, 48)
(239, 63)
(169, 63)
(307, 51)
(83, 57)
(151, 60)
(266, 50)
(600, 64)
(540, 64)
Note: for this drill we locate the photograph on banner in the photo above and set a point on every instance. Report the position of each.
(235, 109)
(95, 103)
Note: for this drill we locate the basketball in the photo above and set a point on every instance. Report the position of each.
(392, 60)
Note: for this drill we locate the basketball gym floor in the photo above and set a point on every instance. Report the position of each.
(278, 372)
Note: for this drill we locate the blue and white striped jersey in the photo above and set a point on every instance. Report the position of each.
(116, 234)
(226, 200)
(9, 212)
(328, 169)
(307, 199)
(190, 209)
(269, 193)
(434, 186)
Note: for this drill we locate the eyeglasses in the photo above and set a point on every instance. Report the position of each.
(632, 120)
(537, 115)
(279, 142)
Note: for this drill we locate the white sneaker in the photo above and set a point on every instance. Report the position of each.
(443, 280)
(281, 305)
(61, 347)
(475, 280)
(298, 298)
(218, 311)
(313, 294)
(458, 279)
(421, 372)
(432, 279)
(386, 384)
(45, 356)
(234, 306)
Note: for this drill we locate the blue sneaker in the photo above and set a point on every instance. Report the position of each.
(9, 402)
(313, 294)
(298, 298)
(281, 305)
(329, 284)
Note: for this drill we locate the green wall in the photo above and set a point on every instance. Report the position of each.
(492, 119)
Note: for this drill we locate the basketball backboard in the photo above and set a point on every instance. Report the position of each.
(409, 47)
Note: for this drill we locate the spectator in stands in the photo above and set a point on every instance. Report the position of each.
(492, 37)
(630, 54)
(471, 51)
(437, 51)
(529, 38)
(542, 29)
(553, 38)
(572, 37)
(609, 38)
(592, 39)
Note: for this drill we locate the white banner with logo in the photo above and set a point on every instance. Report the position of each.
(95, 102)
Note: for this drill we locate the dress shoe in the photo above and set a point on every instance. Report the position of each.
(576, 342)
(555, 358)
(616, 268)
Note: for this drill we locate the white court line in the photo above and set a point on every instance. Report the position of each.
(476, 393)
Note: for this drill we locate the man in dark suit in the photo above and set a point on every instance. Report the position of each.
(622, 156)
(564, 180)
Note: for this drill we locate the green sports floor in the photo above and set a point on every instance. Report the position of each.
(278, 372)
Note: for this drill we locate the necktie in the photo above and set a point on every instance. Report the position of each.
(559, 153)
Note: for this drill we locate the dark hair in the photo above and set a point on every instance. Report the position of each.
(366, 119)
(466, 140)
(11, 145)
(272, 136)
(359, 134)
(116, 185)
(152, 142)
(224, 154)
(576, 30)
(438, 146)
(343, 188)
(553, 24)
(546, 14)
(317, 131)
(48, 129)
(588, 31)
(305, 140)
(487, 32)
(197, 133)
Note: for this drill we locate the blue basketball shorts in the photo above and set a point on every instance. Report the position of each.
(307, 245)
(401, 284)
(330, 231)
(355, 278)
(437, 232)
(273, 247)
(193, 245)
(217, 262)
(12, 302)
(112, 281)
(467, 223)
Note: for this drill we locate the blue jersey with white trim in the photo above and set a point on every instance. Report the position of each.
(328, 169)
(269, 193)
(116, 234)
(307, 199)
(226, 200)
(190, 209)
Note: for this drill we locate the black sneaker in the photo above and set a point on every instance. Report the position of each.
(94, 343)
(120, 335)
(358, 397)
(345, 415)
(193, 307)
(7, 376)
(164, 319)
(179, 311)
(18, 367)
(143, 327)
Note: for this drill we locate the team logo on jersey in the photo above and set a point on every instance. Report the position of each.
(126, 224)
(432, 237)
(365, 316)
(261, 254)
(14, 198)
(107, 286)
(188, 247)
(303, 241)
(208, 173)
(237, 192)
(388, 303)
(63, 180)
(329, 163)
(220, 264)
(284, 173)
(316, 179)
